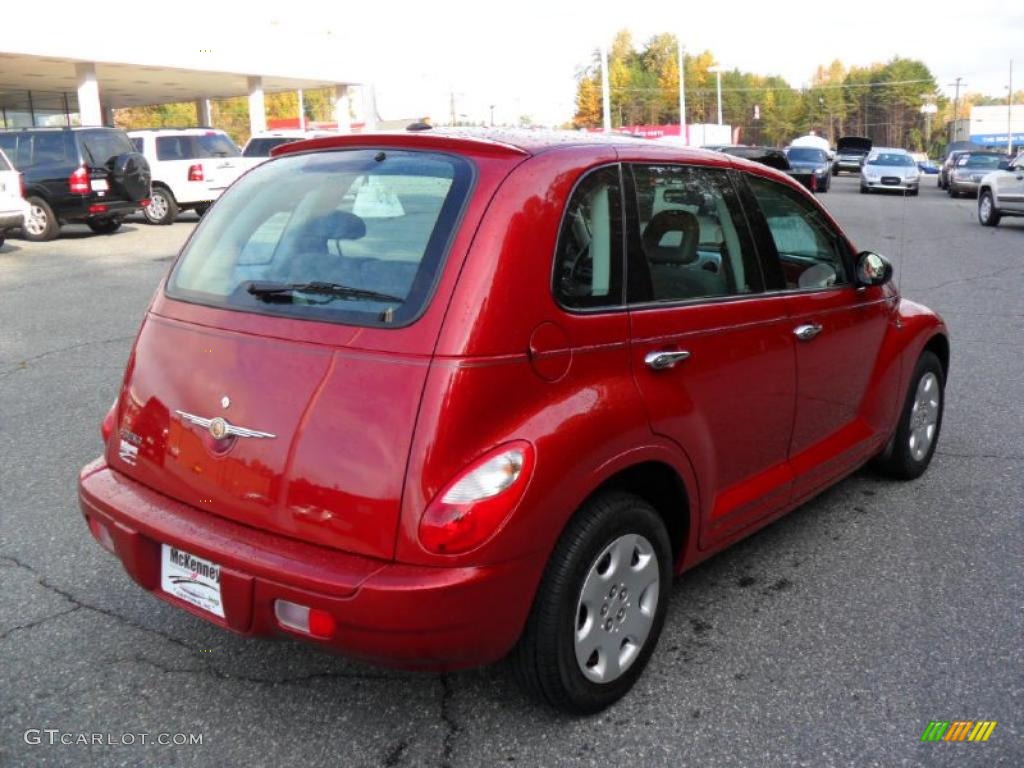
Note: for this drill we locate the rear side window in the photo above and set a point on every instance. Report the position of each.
(262, 147)
(48, 148)
(137, 143)
(9, 144)
(100, 147)
(809, 249)
(588, 259)
(193, 147)
(353, 236)
(692, 240)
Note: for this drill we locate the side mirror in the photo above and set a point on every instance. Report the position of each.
(873, 269)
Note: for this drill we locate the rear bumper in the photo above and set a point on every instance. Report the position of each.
(78, 210)
(964, 186)
(11, 219)
(389, 613)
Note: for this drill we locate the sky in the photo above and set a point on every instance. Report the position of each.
(522, 57)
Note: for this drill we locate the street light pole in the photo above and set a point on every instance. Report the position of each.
(606, 108)
(1009, 112)
(717, 69)
(682, 93)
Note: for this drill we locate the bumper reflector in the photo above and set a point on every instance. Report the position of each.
(101, 534)
(301, 618)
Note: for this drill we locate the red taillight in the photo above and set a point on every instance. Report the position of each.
(97, 209)
(814, 182)
(301, 618)
(477, 503)
(78, 181)
(21, 183)
(109, 422)
(195, 172)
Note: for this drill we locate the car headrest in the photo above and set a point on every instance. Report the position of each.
(660, 225)
(338, 225)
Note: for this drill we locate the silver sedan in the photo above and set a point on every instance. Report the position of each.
(889, 169)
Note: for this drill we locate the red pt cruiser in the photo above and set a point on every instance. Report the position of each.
(431, 399)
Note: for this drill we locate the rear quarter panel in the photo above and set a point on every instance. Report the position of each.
(575, 399)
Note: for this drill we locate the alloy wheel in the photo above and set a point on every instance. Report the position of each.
(36, 221)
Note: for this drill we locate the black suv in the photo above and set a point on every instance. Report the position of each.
(90, 175)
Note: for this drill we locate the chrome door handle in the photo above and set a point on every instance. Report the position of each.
(659, 361)
(808, 331)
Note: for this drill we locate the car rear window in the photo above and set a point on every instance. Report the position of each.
(100, 147)
(262, 147)
(195, 147)
(806, 155)
(350, 236)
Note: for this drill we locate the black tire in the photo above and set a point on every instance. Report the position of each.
(993, 218)
(897, 460)
(951, 192)
(863, 189)
(45, 226)
(104, 226)
(544, 660)
(1, 241)
(202, 209)
(130, 175)
(162, 208)
(913, 192)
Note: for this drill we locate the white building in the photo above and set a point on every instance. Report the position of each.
(997, 124)
(77, 71)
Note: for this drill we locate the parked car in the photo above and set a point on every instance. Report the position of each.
(969, 169)
(257, 149)
(191, 167)
(889, 169)
(87, 175)
(1001, 193)
(12, 200)
(813, 161)
(773, 158)
(953, 151)
(814, 141)
(477, 423)
(850, 154)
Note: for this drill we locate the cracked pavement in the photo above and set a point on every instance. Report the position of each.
(830, 638)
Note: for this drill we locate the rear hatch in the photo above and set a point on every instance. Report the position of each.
(276, 380)
(198, 164)
(11, 199)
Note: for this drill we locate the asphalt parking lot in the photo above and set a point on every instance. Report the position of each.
(831, 638)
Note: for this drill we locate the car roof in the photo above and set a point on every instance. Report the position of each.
(190, 131)
(487, 140)
(54, 128)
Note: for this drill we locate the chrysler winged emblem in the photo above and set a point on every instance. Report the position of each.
(220, 428)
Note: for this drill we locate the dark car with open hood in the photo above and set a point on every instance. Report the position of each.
(432, 399)
(850, 154)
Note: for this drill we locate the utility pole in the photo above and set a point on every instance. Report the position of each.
(682, 93)
(1009, 113)
(956, 108)
(606, 109)
(492, 115)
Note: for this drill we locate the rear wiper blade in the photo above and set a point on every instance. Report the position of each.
(330, 290)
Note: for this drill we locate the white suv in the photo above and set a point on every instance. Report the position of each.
(190, 166)
(257, 149)
(12, 200)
